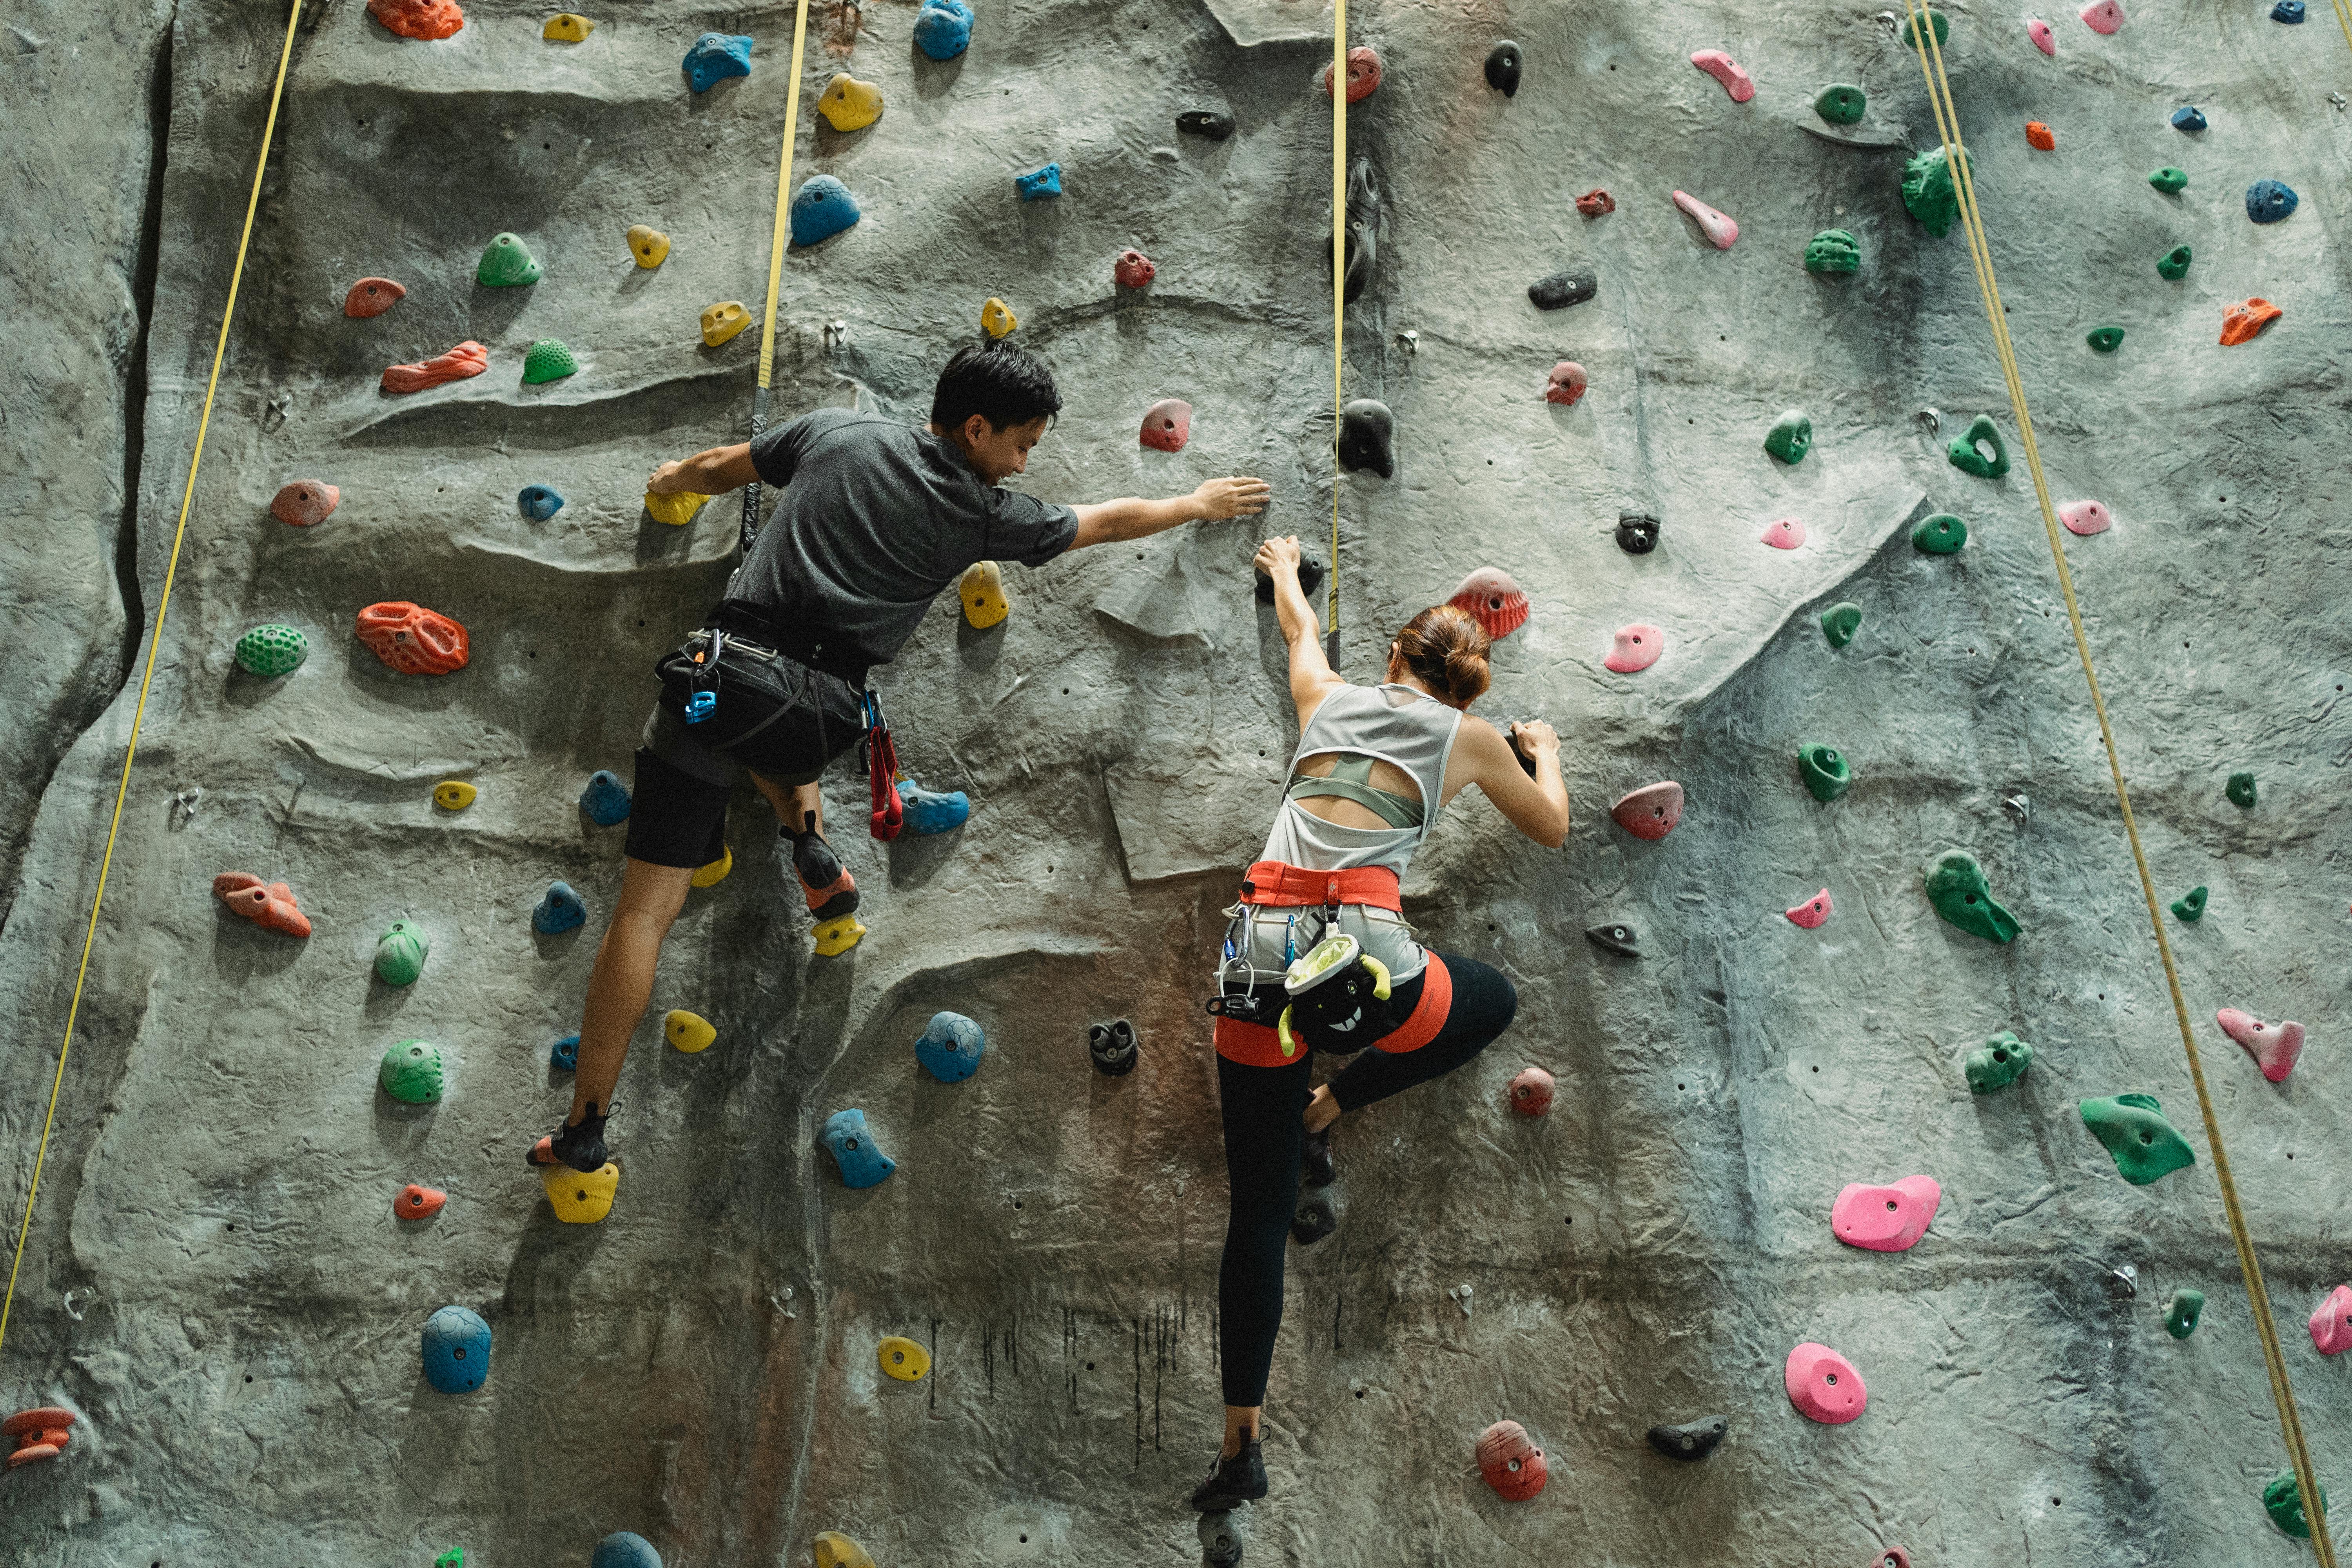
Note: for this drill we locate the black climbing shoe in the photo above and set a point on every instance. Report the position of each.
(1315, 1159)
(1232, 1482)
(1318, 1216)
(581, 1147)
(830, 890)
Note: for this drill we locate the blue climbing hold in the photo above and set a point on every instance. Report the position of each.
(2267, 201)
(2288, 11)
(560, 911)
(822, 208)
(931, 811)
(950, 1049)
(2189, 117)
(625, 1549)
(1038, 185)
(456, 1350)
(539, 502)
(564, 1056)
(715, 56)
(862, 1164)
(607, 798)
(943, 28)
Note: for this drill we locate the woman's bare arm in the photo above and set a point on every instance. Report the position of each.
(1311, 679)
(1537, 806)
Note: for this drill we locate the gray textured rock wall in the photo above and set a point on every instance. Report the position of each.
(700, 1367)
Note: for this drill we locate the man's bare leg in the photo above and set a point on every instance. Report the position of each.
(622, 983)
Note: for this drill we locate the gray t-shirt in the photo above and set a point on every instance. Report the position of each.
(877, 518)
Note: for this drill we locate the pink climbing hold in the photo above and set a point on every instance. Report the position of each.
(2085, 517)
(1490, 598)
(1168, 424)
(1363, 75)
(2103, 15)
(1885, 1219)
(1813, 913)
(372, 296)
(1531, 1092)
(1637, 648)
(2277, 1047)
(1725, 70)
(1720, 229)
(1566, 385)
(468, 358)
(2331, 1325)
(1133, 269)
(1823, 1385)
(1784, 534)
(1650, 812)
(2043, 38)
(304, 503)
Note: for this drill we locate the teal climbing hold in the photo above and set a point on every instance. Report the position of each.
(1840, 622)
(549, 360)
(943, 28)
(559, 911)
(1997, 1062)
(1826, 774)
(607, 798)
(852, 1146)
(2180, 1317)
(2191, 905)
(714, 57)
(1790, 438)
(2174, 263)
(1941, 29)
(1039, 184)
(411, 1072)
(564, 1055)
(1967, 454)
(271, 651)
(1942, 534)
(2105, 339)
(2241, 791)
(1928, 193)
(625, 1549)
(2169, 179)
(539, 502)
(822, 208)
(400, 953)
(1840, 103)
(950, 1047)
(2283, 1499)
(1958, 889)
(457, 1348)
(507, 263)
(2142, 1143)
(1833, 250)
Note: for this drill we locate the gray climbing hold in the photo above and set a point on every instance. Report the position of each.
(1319, 1212)
(1311, 578)
(1561, 290)
(1615, 937)
(1205, 123)
(1637, 532)
(1692, 1440)
(1367, 434)
(1221, 1543)
(1111, 1048)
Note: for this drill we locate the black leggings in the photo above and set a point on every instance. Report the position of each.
(1263, 1107)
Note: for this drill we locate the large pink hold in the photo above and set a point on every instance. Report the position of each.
(2103, 15)
(2044, 40)
(1637, 648)
(1813, 913)
(1720, 229)
(1823, 1385)
(1566, 385)
(1885, 1219)
(304, 503)
(418, 18)
(468, 358)
(1168, 424)
(372, 296)
(1726, 70)
(1531, 1092)
(1650, 812)
(1785, 534)
(1490, 598)
(2085, 517)
(2277, 1047)
(2331, 1325)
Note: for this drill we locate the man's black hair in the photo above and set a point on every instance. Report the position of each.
(1002, 384)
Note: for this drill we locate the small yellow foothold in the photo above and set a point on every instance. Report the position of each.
(838, 935)
(677, 510)
(834, 1549)
(711, 876)
(581, 1198)
(981, 588)
(903, 1358)
(689, 1032)
(850, 104)
(650, 246)
(453, 794)
(723, 320)
(997, 317)
(567, 27)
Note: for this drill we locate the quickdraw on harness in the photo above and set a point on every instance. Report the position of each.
(882, 767)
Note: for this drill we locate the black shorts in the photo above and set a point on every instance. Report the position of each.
(676, 818)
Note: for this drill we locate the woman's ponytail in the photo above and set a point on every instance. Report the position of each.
(1446, 650)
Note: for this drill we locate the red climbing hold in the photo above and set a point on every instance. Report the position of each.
(1168, 424)
(2277, 1047)
(468, 358)
(1133, 269)
(39, 1432)
(305, 501)
(1531, 1092)
(1595, 202)
(269, 905)
(413, 639)
(2085, 517)
(1566, 385)
(1511, 1462)
(1489, 597)
(1787, 533)
(1725, 70)
(2038, 136)
(1885, 1219)
(1650, 812)
(1813, 912)
(1363, 75)
(1823, 1385)
(2244, 321)
(1890, 1557)
(418, 1203)
(1637, 647)
(372, 296)
(2331, 1324)
(418, 18)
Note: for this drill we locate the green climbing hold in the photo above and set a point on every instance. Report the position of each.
(411, 1072)
(2169, 179)
(2241, 791)
(1997, 1062)
(400, 955)
(271, 651)
(1840, 103)
(1790, 438)
(1967, 456)
(2283, 1499)
(1942, 534)
(2181, 1318)
(2142, 1143)
(1927, 191)
(1826, 773)
(1833, 250)
(1957, 887)
(2106, 340)
(507, 263)
(1840, 622)
(456, 1557)
(2191, 905)
(2174, 263)
(1935, 25)
(547, 361)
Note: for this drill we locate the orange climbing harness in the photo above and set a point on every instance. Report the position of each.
(1339, 293)
(1947, 126)
(155, 646)
(751, 524)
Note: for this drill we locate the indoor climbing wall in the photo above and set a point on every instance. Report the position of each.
(1741, 1018)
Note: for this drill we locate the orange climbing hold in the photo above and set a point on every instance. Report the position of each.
(413, 639)
(269, 905)
(1363, 75)
(1511, 1462)
(418, 1203)
(1595, 202)
(468, 358)
(304, 503)
(39, 1432)
(2039, 136)
(372, 296)
(1490, 598)
(2244, 321)
(426, 19)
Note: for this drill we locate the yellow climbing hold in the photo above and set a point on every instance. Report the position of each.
(689, 1032)
(981, 588)
(903, 1359)
(567, 27)
(850, 104)
(723, 320)
(581, 1198)
(453, 794)
(838, 935)
(834, 1549)
(997, 317)
(711, 876)
(650, 246)
(677, 510)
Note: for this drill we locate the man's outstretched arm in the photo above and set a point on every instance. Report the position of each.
(711, 473)
(1109, 521)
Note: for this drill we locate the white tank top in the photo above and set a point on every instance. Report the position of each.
(1408, 730)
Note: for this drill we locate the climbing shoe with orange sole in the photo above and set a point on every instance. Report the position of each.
(831, 894)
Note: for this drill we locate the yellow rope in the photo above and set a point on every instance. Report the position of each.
(1338, 286)
(1939, 94)
(783, 201)
(155, 646)
(2344, 19)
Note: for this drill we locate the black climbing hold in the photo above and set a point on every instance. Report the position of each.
(1112, 1048)
(1366, 431)
(1561, 290)
(1310, 577)
(2241, 790)
(1637, 532)
(1362, 238)
(1502, 69)
(1221, 1543)
(1205, 123)
(1615, 937)
(1692, 1440)
(1318, 1217)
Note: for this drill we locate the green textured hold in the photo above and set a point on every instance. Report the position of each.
(1935, 25)
(1833, 250)
(1966, 457)
(2174, 263)
(2169, 179)
(1790, 438)
(1841, 103)
(1942, 534)
(400, 955)
(547, 361)
(1826, 773)
(411, 1072)
(1997, 1062)
(1840, 622)
(2142, 1143)
(456, 1557)
(2283, 1499)
(2241, 791)
(1957, 887)
(507, 263)
(2180, 1321)
(271, 651)
(2105, 339)
(2191, 905)
(1927, 191)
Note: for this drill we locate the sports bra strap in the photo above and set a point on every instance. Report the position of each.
(1351, 779)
